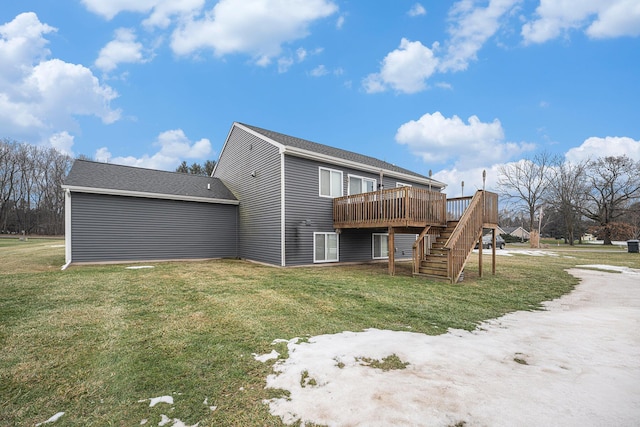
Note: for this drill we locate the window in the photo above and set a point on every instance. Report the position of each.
(402, 184)
(358, 184)
(330, 183)
(380, 245)
(325, 247)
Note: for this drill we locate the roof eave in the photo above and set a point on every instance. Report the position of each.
(299, 152)
(148, 195)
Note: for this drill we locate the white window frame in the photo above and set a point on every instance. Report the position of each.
(362, 181)
(326, 247)
(373, 245)
(331, 182)
(402, 184)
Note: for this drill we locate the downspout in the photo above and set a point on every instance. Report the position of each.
(283, 234)
(67, 229)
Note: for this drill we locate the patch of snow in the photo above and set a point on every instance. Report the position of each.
(138, 267)
(176, 422)
(626, 270)
(162, 399)
(143, 421)
(575, 363)
(263, 358)
(279, 340)
(53, 419)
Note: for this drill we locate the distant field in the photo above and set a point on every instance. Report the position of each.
(97, 342)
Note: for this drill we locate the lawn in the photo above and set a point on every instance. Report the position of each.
(97, 342)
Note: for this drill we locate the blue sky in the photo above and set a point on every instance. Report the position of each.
(452, 87)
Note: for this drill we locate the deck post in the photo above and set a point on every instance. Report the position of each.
(493, 260)
(391, 245)
(480, 256)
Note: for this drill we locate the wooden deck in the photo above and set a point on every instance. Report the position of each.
(407, 207)
(455, 225)
(395, 207)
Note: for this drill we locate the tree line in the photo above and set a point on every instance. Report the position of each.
(31, 200)
(565, 200)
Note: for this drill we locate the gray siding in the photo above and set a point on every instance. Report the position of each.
(259, 196)
(307, 212)
(119, 228)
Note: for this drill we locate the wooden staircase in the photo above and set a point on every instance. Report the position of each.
(435, 264)
(448, 254)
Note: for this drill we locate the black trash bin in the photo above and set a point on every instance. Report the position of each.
(633, 246)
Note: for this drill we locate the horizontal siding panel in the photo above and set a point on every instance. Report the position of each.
(260, 208)
(307, 212)
(120, 228)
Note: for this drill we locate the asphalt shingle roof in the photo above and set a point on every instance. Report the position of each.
(109, 176)
(338, 153)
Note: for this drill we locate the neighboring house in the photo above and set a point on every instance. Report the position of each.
(270, 199)
(518, 232)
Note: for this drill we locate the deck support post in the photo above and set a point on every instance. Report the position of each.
(480, 256)
(493, 259)
(391, 244)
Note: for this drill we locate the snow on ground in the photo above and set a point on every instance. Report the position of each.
(264, 357)
(53, 419)
(576, 363)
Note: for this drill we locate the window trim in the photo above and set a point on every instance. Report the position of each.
(362, 179)
(373, 246)
(403, 184)
(331, 171)
(326, 233)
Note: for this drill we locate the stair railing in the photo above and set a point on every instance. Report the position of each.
(462, 241)
(418, 250)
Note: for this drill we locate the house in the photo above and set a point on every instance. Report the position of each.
(272, 198)
(518, 232)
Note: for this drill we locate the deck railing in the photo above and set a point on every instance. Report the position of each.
(406, 206)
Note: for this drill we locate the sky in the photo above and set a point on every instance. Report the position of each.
(452, 87)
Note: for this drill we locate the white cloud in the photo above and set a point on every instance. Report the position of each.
(470, 29)
(595, 147)
(255, 27)
(62, 142)
(319, 71)
(405, 69)
(340, 22)
(164, 10)
(174, 147)
(472, 179)
(40, 97)
(599, 19)
(122, 49)
(417, 10)
(437, 139)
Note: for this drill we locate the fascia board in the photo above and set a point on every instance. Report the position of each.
(292, 151)
(115, 192)
(280, 146)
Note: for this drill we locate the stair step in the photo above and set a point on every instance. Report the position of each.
(434, 272)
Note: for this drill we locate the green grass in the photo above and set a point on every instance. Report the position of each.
(93, 341)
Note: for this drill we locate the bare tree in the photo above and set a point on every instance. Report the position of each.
(525, 184)
(30, 195)
(612, 185)
(566, 194)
